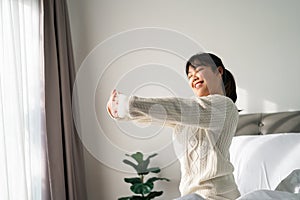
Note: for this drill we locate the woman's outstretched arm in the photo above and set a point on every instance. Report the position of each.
(204, 112)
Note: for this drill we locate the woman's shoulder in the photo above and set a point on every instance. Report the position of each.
(221, 98)
(215, 97)
(217, 101)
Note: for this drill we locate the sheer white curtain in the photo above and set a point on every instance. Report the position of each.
(21, 100)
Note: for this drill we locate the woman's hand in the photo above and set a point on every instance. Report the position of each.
(112, 104)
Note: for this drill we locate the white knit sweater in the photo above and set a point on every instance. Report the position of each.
(203, 131)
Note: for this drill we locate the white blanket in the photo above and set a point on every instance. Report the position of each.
(267, 163)
(270, 195)
(288, 189)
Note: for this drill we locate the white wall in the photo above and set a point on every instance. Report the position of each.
(257, 40)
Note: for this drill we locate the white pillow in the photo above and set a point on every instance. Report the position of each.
(262, 161)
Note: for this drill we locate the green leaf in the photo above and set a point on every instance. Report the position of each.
(155, 154)
(142, 170)
(153, 179)
(154, 194)
(142, 188)
(133, 180)
(154, 170)
(142, 165)
(146, 163)
(138, 156)
(131, 164)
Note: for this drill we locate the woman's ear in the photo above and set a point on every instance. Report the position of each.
(221, 70)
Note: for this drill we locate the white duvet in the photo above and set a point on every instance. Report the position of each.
(267, 167)
(288, 189)
(270, 195)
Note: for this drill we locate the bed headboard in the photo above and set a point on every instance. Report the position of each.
(268, 123)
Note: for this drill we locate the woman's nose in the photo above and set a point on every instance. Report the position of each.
(195, 77)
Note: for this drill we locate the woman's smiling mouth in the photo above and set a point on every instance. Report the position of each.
(198, 84)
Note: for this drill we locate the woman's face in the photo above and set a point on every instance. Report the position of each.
(204, 81)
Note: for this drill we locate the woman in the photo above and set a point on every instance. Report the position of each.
(203, 126)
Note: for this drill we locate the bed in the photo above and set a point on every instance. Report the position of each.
(266, 155)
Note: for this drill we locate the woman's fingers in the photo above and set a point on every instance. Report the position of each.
(114, 94)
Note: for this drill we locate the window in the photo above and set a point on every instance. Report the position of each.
(21, 100)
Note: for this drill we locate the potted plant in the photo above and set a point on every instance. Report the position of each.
(142, 188)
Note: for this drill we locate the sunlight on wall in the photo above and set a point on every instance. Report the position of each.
(242, 101)
(252, 103)
(269, 106)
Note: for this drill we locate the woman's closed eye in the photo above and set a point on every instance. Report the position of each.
(191, 74)
(198, 69)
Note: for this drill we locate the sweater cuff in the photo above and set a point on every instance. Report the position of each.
(123, 106)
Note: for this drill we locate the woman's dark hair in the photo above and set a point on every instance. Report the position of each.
(213, 61)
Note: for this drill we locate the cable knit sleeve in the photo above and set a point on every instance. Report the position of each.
(203, 112)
